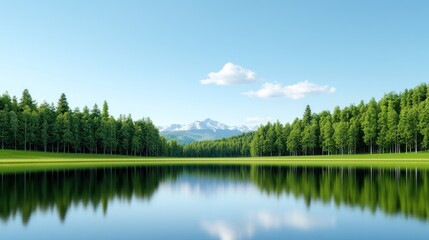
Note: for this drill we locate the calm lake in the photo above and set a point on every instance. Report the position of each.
(215, 202)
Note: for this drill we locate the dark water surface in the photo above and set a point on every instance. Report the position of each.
(215, 202)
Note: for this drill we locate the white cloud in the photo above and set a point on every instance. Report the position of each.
(230, 74)
(296, 91)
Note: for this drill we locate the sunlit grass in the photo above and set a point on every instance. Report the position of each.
(33, 161)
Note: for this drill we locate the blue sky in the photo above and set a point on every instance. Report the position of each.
(150, 58)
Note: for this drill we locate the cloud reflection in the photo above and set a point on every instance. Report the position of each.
(265, 220)
(295, 220)
(194, 188)
(226, 231)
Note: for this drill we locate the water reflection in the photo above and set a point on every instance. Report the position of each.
(392, 191)
(296, 219)
(265, 220)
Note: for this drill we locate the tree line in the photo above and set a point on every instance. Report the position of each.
(26, 125)
(394, 124)
(235, 146)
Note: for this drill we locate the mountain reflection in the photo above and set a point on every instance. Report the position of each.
(392, 191)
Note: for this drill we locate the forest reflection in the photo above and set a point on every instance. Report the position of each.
(392, 191)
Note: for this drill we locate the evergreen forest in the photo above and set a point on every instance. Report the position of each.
(396, 123)
(26, 125)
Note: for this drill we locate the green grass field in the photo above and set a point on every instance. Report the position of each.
(11, 161)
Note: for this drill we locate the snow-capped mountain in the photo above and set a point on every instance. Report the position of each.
(201, 130)
(207, 124)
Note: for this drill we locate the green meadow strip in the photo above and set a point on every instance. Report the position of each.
(21, 161)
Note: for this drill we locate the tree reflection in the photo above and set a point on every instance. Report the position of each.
(392, 191)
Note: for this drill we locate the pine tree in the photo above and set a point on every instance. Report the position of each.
(383, 128)
(58, 131)
(136, 141)
(112, 142)
(256, 146)
(413, 121)
(340, 135)
(76, 129)
(269, 140)
(96, 124)
(392, 137)
(336, 116)
(105, 111)
(280, 139)
(306, 118)
(4, 127)
(353, 135)
(306, 139)
(26, 100)
(67, 131)
(44, 134)
(314, 133)
(286, 133)
(294, 139)
(5, 102)
(404, 127)
(370, 124)
(87, 134)
(327, 137)
(26, 125)
(13, 119)
(63, 105)
(126, 134)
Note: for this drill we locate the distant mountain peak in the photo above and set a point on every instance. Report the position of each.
(207, 129)
(207, 124)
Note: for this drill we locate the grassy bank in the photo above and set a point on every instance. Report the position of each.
(32, 161)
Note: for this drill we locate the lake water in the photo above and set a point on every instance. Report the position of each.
(215, 202)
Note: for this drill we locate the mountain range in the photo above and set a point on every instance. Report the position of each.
(207, 129)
